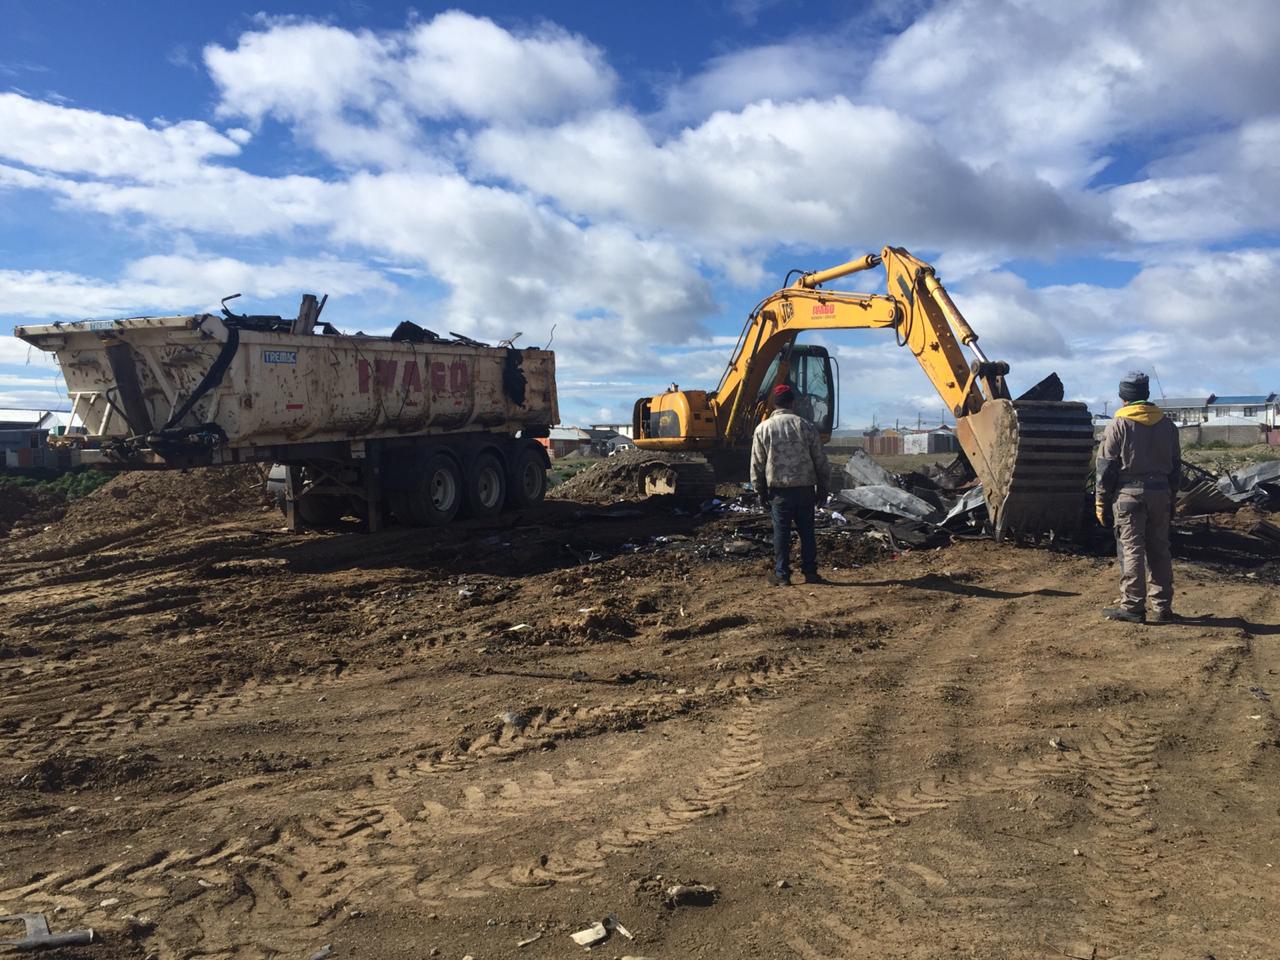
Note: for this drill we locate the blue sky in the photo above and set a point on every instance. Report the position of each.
(1096, 184)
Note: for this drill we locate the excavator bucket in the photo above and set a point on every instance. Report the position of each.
(1032, 458)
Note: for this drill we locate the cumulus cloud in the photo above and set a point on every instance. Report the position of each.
(362, 97)
(1052, 86)
(46, 136)
(173, 283)
(1223, 186)
(813, 173)
(1169, 317)
(16, 352)
(777, 71)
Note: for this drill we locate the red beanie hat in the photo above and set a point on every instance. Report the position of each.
(782, 392)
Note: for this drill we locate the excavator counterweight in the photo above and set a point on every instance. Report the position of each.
(1031, 454)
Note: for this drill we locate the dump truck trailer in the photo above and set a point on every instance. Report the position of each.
(418, 424)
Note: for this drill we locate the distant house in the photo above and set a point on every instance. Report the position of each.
(1186, 410)
(1260, 408)
(18, 419)
(563, 441)
(23, 436)
(623, 429)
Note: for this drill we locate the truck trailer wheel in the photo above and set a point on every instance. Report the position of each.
(486, 486)
(438, 492)
(528, 483)
(321, 511)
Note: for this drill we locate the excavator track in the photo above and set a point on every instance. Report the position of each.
(1032, 457)
(690, 482)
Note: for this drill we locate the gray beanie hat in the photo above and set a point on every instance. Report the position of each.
(1135, 386)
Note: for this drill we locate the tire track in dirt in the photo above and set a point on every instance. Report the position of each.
(522, 734)
(39, 735)
(151, 599)
(287, 886)
(741, 756)
(863, 854)
(373, 816)
(141, 884)
(1119, 766)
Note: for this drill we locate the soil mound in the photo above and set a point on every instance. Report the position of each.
(612, 479)
(24, 507)
(173, 496)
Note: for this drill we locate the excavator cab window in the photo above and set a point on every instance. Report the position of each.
(810, 376)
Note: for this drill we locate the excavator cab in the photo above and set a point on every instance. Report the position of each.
(809, 370)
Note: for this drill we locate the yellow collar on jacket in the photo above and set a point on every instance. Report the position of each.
(1143, 412)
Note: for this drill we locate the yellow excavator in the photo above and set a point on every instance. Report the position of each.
(1031, 454)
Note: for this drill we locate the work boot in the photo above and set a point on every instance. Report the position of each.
(1162, 616)
(780, 579)
(1124, 614)
(815, 577)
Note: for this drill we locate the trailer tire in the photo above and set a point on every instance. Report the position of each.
(486, 486)
(438, 493)
(528, 482)
(320, 512)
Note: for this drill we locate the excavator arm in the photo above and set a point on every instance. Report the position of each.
(1031, 455)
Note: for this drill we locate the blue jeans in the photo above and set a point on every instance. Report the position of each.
(793, 505)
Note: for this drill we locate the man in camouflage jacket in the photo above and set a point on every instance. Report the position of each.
(789, 469)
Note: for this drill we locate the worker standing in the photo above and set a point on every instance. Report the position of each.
(789, 469)
(1139, 472)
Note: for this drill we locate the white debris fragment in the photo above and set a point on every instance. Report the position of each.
(589, 937)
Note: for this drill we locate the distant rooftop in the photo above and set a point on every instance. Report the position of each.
(1246, 399)
(1184, 402)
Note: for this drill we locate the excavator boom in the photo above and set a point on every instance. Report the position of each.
(1031, 454)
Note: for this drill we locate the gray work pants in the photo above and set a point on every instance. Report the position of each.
(1142, 547)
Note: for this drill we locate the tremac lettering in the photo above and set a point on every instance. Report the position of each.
(410, 376)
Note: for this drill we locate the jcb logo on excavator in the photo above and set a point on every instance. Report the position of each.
(824, 309)
(443, 378)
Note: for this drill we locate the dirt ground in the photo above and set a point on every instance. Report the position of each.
(220, 739)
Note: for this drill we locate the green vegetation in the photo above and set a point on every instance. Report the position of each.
(563, 469)
(1219, 458)
(72, 485)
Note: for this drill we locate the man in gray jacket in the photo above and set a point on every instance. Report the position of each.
(1139, 471)
(789, 469)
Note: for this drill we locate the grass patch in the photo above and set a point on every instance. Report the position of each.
(71, 485)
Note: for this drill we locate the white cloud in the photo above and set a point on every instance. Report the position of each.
(1052, 85)
(779, 72)
(1200, 322)
(360, 97)
(67, 140)
(18, 352)
(1224, 186)
(220, 200)
(811, 173)
(469, 66)
(172, 284)
(515, 265)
